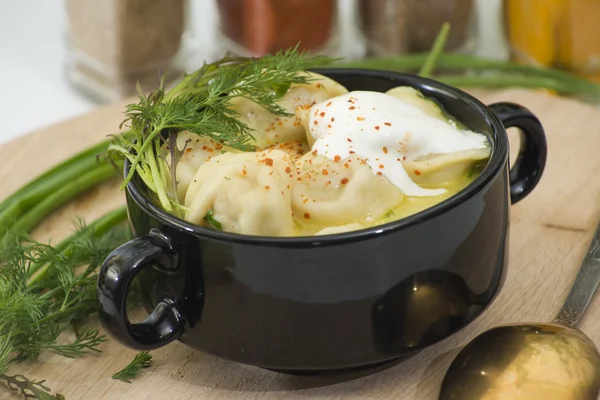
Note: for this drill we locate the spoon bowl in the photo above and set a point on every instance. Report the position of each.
(525, 362)
(532, 361)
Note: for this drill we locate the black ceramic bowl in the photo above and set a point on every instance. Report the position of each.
(336, 301)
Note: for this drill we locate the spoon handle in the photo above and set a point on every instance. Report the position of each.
(584, 287)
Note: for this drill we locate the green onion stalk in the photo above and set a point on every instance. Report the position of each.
(25, 208)
(469, 71)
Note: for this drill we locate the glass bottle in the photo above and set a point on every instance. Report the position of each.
(259, 27)
(402, 26)
(558, 33)
(113, 44)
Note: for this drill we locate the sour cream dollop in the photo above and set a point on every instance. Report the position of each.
(385, 131)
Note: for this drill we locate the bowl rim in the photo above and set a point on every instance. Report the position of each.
(490, 172)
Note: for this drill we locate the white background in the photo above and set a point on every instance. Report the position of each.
(35, 91)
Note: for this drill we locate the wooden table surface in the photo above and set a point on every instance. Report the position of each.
(550, 231)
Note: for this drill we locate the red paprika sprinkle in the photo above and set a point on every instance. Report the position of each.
(344, 181)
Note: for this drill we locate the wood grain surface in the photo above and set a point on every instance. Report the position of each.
(550, 231)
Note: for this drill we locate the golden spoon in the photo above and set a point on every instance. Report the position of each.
(545, 361)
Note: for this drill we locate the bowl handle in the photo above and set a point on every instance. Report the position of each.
(531, 160)
(166, 322)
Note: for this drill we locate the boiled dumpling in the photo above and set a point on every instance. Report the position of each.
(331, 230)
(337, 193)
(248, 193)
(438, 169)
(294, 149)
(303, 117)
(414, 97)
(196, 151)
(270, 129)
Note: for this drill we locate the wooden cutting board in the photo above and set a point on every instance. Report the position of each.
(550, 231)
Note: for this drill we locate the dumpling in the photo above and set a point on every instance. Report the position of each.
(340, 193)
(438, 169)
(331, 230)
(294, 149)
(198, 150)
(248, 193)
(270, 129)
(414, 97)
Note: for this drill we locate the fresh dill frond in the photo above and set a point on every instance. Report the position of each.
(6, 348)
(30, 389)
(88, 340)
(44, 290)
(142, 360)
(201, 103)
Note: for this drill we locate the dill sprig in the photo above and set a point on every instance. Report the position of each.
(201, 103)
(30, 389)
(45, 290)
(142, 360)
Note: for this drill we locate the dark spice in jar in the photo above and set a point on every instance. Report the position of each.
(400, 26)
(266, 26)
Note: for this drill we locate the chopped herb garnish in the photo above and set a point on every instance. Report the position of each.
(475, 170)
(209, 217)
(142, 360)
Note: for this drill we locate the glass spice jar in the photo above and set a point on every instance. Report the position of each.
(401, 26)
(113, 44)
(259, 27)
(558, 33)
